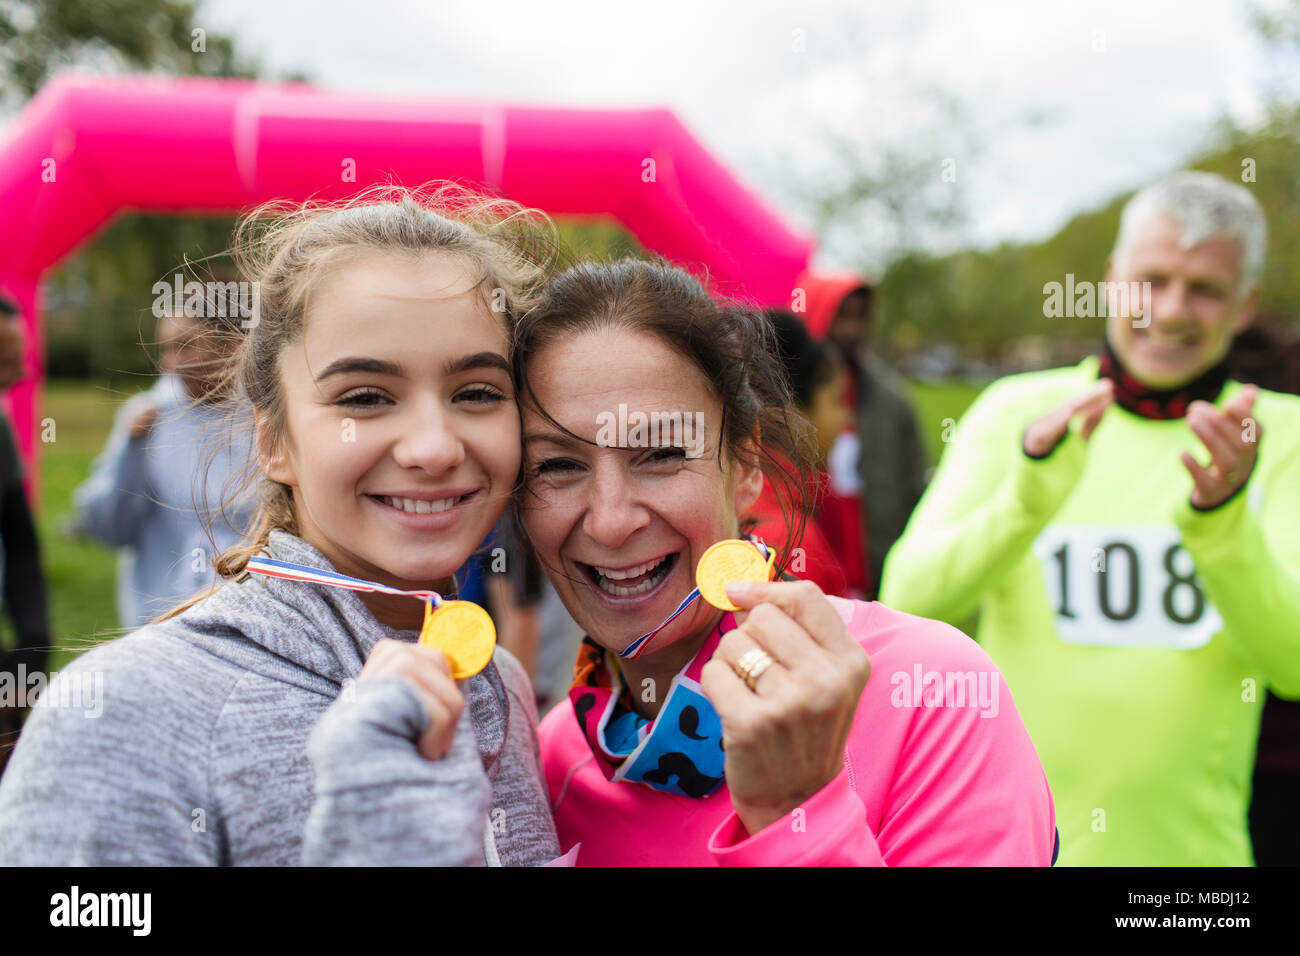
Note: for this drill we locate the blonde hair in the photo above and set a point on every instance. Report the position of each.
(288, 248)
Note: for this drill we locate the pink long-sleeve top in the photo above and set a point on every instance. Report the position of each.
(938, 771)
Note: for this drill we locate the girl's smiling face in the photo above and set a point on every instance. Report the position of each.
(401, 434)
(620, 530)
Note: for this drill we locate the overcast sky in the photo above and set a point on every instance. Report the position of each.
(1070, 101)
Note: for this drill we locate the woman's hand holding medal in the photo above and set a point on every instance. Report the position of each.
(785, 721)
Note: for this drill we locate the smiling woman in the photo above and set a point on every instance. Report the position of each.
(243, 728)
(770, 734)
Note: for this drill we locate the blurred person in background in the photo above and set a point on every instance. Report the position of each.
(877, 466)
(1126, 528)
(503, 577)
(1268, 355)
(531, 620)
(155, 489)
(20, 555)
(818, 383)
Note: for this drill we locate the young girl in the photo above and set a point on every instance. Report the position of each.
(234, 731)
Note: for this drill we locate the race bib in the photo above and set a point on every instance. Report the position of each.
(1124, 586)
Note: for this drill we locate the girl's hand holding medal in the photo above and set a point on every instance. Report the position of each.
(428, 670)
(456, 642)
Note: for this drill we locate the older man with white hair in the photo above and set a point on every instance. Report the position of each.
(1127, 530)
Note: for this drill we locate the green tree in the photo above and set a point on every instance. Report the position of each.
(897, 197)
(40, 37)
(97, 303)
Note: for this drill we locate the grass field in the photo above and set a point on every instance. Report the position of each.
(934, 404)
(80, 575)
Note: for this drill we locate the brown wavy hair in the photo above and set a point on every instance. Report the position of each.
(733, 346)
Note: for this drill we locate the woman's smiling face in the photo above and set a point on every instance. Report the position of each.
(401, 434)
(620, 529)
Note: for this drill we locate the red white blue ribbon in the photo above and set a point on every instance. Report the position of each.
(301, 572)
(637, 647)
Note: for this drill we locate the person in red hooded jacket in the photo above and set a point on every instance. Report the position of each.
(818, 380)
(876, 471)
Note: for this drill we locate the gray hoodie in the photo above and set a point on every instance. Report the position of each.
(236, 734)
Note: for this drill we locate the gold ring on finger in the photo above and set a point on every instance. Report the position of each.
(752, 665)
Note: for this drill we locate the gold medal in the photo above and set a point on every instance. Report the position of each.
(464, 632)
(727, 561)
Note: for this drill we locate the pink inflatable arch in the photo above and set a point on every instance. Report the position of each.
(88, 147)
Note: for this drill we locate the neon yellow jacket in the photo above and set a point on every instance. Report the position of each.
(1137, 634)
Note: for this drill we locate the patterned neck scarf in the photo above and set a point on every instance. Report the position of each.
(1159, 404)
(680, 751)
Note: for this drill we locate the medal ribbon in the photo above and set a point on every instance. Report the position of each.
(637, 647)
(301, 572)
(464, 632)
